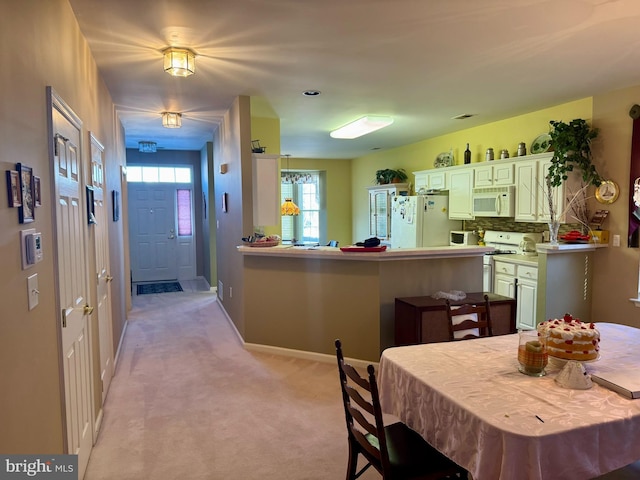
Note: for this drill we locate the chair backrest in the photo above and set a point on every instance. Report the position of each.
(332, 243)
(474, 317)
(363, 412)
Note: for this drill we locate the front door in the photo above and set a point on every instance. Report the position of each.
(71, 228)
(160, 250)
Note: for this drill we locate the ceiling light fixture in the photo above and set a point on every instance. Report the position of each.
(171, 120)
(362, 126)
(147, 147)
(179, 62)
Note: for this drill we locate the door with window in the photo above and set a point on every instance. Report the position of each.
(162, 242)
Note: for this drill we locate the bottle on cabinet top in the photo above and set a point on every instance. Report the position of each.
(467, 155)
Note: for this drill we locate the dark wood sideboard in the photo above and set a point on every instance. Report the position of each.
(424, 319)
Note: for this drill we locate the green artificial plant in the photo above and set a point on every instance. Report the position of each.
(571, 145)
(388, 175)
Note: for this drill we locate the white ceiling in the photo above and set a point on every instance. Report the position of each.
(420, 61)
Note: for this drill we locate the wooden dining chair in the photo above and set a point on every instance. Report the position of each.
(630, 472)
(395, 451)
(481, 321)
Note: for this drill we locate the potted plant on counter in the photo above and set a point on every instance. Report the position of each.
(388, 175)
(571, 143)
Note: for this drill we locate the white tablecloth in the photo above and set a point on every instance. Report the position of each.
(470, 402)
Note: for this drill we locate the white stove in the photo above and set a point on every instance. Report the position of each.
(505, 243)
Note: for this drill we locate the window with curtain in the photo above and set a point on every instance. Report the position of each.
(306, 189)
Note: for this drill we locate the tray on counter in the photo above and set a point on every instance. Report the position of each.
(355, 248)
(270, 243)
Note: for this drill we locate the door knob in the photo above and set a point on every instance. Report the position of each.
(109, 278)
(88, 310)
(172, 236)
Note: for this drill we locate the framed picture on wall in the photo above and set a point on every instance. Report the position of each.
(116, 205)
(26, 210)
(36, 192)
(13, 189)
(91, 206)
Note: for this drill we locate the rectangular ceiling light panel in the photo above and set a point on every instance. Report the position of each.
(362, 126)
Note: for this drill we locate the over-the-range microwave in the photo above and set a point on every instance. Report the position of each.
(494, 201)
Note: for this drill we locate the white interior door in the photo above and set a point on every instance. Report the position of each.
(103, 279)
(71, 225)
(158, 250)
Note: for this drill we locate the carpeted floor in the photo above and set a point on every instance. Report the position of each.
(189, 402)
(164, 287)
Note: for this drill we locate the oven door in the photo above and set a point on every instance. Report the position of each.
(487, 273)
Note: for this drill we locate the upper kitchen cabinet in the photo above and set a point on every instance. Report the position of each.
(434, 179)
(380, 197)
(532, 204)
(493, 175)
(266, 196)
(460, 198)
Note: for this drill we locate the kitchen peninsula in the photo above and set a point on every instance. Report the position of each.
(300, 298)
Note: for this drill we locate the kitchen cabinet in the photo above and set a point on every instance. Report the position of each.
(532, 204)
(424, 319)
(435, 179)
(266, 194)
(520, 282)
(493, 175)
(380, 197)
(460, 194)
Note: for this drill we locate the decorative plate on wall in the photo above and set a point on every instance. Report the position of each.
(445, 159)
(541, 144)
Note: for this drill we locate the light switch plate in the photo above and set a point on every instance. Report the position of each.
(32, 291)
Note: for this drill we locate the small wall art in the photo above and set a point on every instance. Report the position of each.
(91, 208)
(26, 210)
(37, 196)
(13, 189)
(115, 197)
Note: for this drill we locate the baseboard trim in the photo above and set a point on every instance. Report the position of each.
(289, 352)
(117, 357)
(303, 354)
(231, 324)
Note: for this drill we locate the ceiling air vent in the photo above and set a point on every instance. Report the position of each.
(463, 116)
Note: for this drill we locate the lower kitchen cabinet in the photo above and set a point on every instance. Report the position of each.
(521, 282)
(424, 319)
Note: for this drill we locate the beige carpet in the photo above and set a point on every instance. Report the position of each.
(188, 402)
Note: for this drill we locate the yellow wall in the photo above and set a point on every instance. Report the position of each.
(421, 155)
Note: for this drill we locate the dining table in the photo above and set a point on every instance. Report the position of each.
(468, 400)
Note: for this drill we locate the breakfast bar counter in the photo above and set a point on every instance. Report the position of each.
(303, 298)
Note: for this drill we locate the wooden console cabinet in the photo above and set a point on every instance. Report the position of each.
(424, 319)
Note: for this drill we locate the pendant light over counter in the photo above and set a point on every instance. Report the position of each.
(288, 208)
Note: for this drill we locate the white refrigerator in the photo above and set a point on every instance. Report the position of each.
(421, 221)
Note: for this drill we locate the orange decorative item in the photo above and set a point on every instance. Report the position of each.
(289, 208)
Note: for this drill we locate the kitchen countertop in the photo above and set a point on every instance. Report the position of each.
(388, 255)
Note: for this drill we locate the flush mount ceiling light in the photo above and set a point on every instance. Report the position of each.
(171, 120)
(147, 147)
(179, 62)
(362, 126)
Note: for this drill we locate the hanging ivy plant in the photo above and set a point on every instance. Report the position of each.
(571, 145)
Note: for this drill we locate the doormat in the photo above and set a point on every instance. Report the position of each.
(159, 288)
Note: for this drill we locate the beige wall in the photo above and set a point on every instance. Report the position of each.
(232, 145)
(616, 268)
(41, 45)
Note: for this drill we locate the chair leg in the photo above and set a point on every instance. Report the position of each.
(353, 461)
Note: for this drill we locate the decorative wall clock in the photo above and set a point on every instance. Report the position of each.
(607, 192)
